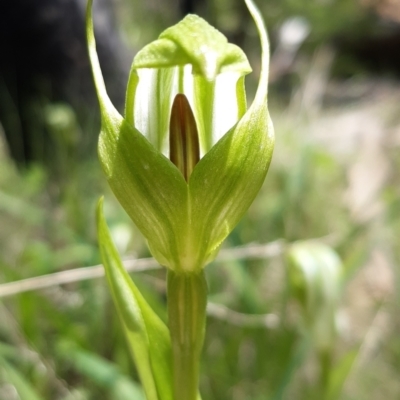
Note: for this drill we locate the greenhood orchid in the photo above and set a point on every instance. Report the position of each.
(185, 162)
(188, 83)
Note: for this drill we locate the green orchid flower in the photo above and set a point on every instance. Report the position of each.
(315, 278)
(185, 161)
(190, 83)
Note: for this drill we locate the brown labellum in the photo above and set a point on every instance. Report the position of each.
(184, 150)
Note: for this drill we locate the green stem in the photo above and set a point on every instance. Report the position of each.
(187, 301)
(325, 361)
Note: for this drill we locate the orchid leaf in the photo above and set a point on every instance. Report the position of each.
(24, 389)
(101, 371)
(340, 373)
(147, 335)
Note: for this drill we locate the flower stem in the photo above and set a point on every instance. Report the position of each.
(187, 301)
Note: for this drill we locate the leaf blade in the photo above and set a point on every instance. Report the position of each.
(24, 388)
(147, 335)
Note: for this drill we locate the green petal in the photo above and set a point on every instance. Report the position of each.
(147, 335)
(193, 41)
(150, 110)
(217, 106)
(262, 90)
(149, 187)
(225, 182)
(216, 64)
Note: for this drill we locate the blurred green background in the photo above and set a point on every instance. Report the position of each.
(289, 323)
